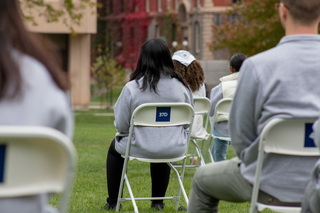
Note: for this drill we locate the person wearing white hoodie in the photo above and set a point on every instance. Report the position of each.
(226, 89)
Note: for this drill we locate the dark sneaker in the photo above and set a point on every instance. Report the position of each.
(157, 206)
(111, 207)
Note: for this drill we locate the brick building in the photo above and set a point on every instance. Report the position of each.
(184, 24)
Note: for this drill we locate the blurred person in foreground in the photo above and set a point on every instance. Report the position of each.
(33, 91)
(281, 82)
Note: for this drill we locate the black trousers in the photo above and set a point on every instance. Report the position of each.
(160, 175)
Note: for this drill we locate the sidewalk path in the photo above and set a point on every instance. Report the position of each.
(95, 113)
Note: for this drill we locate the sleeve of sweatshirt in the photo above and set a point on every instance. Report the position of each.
(243, 115)
(122, 111)
(215, 97)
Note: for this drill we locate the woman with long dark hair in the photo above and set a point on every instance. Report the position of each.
(153, 80)
(33, 90)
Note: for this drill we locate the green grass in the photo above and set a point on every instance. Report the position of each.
(92, 137)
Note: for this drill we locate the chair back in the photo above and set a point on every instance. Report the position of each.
(222, 110)
(157, 115)
(289, 137)
(162, 114)
(35, 160)
(285, 137)
(202, 106)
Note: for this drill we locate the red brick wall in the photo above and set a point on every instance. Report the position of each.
(221, 2)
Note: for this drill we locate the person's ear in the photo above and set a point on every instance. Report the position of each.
(283, 11)
(231, 69)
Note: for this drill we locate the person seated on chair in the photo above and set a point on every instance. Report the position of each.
(281, 82)
(190, 69)
(311, 198)
(226, 89)
(33, 91)
(153, 80)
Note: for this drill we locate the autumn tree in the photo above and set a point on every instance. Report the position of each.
(256, 28)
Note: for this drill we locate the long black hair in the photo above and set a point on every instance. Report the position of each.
(13, 35)
(154, 60)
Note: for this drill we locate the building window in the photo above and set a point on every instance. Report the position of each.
(147, 5)
(132, 46)
(198, 4)
(182, 13)
(110, 6)
(197, 37)
(174, 32)
(121, 6)
(159, 4)
(157, 31)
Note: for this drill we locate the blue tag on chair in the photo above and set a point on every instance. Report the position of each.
(163, 114)
(2, 158)
(308, 142)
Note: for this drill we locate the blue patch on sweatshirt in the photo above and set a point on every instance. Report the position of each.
(2, 163)
(163, 114)
(308, 142)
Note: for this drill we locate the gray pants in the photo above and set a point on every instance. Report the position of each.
(222, 181)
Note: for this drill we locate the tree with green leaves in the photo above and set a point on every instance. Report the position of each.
(108, 75)
(256, 28)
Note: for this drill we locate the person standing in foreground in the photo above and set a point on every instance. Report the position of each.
(281, 82)
(154, 80)
(33, 91)
(226, 89)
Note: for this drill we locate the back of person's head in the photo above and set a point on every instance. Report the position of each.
(190, 69)
(303, 11)
(236, 61)
(154, 60)
(13, 35)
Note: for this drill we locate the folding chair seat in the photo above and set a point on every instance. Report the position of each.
(222, 109)
(284, 137)
(202, 107)
(34, 161)
(157, 115)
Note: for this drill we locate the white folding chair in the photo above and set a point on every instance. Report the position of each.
(202, 107)
(181, 114)
(36, 160)
(222, 109)
(284, 137)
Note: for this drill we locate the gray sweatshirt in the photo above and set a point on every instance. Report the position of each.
(147, 141)
(41, 103)
(281, 82)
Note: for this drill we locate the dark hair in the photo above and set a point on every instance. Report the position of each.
(13, 35)
(237, 60)
(193, 73)
(154, 60)
(305, 12)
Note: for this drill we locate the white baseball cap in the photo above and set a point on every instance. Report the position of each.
(184, 57)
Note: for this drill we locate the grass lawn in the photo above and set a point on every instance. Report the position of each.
(93, 135)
